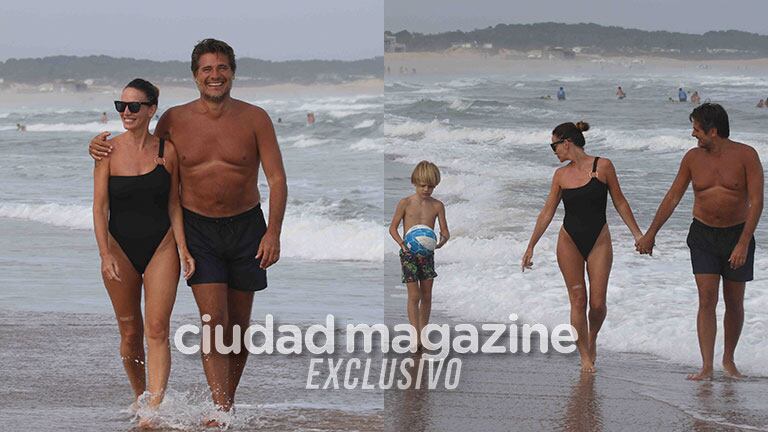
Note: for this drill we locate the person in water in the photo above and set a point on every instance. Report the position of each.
(583, 186)
(620, 93)
(138, 224)
(728, 199)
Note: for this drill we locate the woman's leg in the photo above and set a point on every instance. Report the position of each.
(160, 281)
(599, 264)
(126, 301)
(572, 267)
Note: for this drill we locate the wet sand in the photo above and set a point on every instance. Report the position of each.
(525, 392)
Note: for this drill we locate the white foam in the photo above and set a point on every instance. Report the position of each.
(306, 233)
(368, 144)
(310, 142)
(365, 124)
(95, 127)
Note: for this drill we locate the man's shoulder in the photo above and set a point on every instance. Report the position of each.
(744, 149)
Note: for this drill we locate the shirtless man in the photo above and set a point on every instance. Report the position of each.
(728, 199)
(221, 142)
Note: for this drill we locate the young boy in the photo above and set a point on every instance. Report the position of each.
(419, 271)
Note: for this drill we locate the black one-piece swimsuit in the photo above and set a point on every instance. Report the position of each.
(138, 212)
(585, 212)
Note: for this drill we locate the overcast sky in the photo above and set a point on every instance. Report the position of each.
(169, 29)
(687, 16)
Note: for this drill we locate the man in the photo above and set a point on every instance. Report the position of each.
(561, 94)
(728, 199)
(220, 143)
(682, 96)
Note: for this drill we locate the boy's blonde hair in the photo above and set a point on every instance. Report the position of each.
(426, 173)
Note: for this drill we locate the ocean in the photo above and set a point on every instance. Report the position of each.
(57, 318)
(489, 132)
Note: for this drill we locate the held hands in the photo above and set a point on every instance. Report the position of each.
(109, 269)
(269, 249)
(187, 263)
(99, 148)
(527, 262)
(645, 244)
(739, 255)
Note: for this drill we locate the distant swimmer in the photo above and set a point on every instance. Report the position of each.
(727, 179)
(620, 93)
(561, 94)
(584, 242)
(546, 97)
(695, 98)
(279, 119)
(310, 119)
(103, 117)
(761, 104)
(682, 96)
(20, 127)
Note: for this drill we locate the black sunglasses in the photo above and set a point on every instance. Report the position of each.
(133, 107)
(556, 143)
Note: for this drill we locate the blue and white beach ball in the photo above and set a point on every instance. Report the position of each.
(421, 240)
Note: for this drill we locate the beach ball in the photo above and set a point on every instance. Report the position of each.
(421, 240)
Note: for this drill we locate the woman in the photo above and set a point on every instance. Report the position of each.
(135, 204)
(583, 185)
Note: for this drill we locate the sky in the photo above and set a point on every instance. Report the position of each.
(686, 16)
(168, 29)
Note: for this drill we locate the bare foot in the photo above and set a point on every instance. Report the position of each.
(587, 366)
(705, 374)
(213, 424)
(730, 370)
(147, 423)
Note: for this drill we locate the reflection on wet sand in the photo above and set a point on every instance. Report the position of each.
(412, 411)
(583, 411)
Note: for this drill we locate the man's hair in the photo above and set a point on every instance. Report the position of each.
(146, 87)
(212, 46)
(426, 173)
(711, 115)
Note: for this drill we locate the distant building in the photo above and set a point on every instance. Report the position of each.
(391, 45)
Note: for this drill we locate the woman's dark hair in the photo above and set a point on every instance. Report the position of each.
(146, 87)
(212, 46)
(571, 131)
(711, 115)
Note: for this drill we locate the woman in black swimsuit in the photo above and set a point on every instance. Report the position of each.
(135, 204)
(583, 186)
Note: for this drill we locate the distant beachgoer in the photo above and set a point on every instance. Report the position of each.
(104, 117)
(727, 204)
(695, 98)
(682, 96)
(310, 119)
(620, 93)
(561, 94)
(584, 240)
(761, 104)
(279, 119)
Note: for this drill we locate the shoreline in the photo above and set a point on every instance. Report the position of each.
(467, 61)
(19, 92)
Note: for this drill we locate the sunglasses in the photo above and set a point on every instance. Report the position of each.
(556, 143)
(133, 107)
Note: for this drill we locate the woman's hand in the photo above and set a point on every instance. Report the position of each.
(109, 268)
(527, 259)
(187, 263)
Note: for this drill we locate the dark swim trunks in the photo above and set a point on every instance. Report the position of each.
(711, 248)
(417, 267)
(225, 249)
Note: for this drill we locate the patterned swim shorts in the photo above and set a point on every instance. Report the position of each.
(417, 267)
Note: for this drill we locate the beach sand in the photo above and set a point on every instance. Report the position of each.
(25, 95)
(463, 62)
(547, 392)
